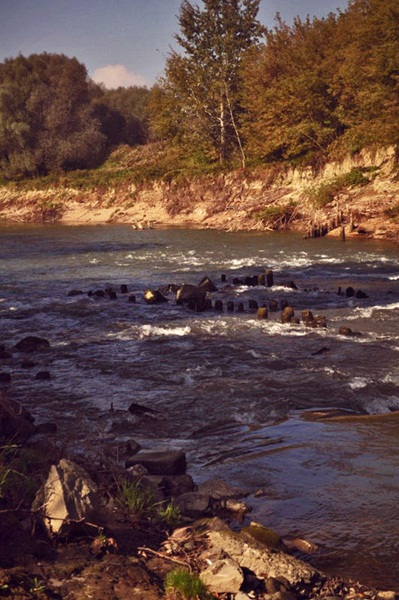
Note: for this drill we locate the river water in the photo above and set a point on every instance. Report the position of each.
(247, 400)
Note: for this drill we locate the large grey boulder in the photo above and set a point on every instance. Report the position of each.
(262, 561)
(68, 497)
(223, 576)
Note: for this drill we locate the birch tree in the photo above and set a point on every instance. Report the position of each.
(201, 88)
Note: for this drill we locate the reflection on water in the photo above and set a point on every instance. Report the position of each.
(236, 393)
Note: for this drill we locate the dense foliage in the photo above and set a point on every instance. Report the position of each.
(46, 118)
(325, 85)
(235, 92)
(123, 114)
(197, 104)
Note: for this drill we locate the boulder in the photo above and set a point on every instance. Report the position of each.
(154, 297)
(43, 376)
(190, 293)
(218, 489)
(259, 559)
(5, 377)
(262, 312)
(223, 576)
(31, 343)
(68, 498)
(269, 278)
(207, 284)
(287, 314)
(16, 423)
(171, 462)
(193, 504)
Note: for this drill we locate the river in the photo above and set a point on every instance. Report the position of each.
(247, 399)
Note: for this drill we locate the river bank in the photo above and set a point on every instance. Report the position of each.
(100, 531)
(355, 197)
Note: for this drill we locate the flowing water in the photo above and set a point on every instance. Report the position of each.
(246, 399)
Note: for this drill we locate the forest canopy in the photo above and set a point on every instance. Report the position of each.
(233, 94)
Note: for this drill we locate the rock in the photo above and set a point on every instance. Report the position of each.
(132, 299)
(31, 343)
(360, 294)
(171, 462)
(219, 306)
(273, 305)
(75, 293)
(140, 409)
(349, 292)
(259, 559)
(5, 377)
(224, 576)
(240, 307)
(68, 498)
(307, 315)
(269, 278)
(235, 506)
(252, 304)
(345, 330)
(43, 376)
(287, 314)
(188, 292)
(263, 535)
(154, 297)
(230, 306)
(321, 320)
(207, 284)
(176, 485)
(218, 489)
(16, 423)
(193, 504)
(262, 279)
(124, 289)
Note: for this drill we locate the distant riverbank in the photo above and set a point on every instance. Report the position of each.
(358, 197)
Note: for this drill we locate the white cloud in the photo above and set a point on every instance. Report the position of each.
(113, 76)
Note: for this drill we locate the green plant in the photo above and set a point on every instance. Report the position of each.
(169, 514)
(37, 586)
(182, 585)
(325, 193)
(137, 499)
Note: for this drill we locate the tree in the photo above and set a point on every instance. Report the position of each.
(200, 93)
(290, 110)
(123, 114)
(46, 117)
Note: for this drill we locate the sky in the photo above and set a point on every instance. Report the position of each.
(121, 42)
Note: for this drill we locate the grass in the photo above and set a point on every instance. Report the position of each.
(140, 502)
(326, 192)
(182, 585)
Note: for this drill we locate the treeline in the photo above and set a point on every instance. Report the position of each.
(234, 93)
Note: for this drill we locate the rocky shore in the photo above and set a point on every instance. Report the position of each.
(355, 197)
(132, 524)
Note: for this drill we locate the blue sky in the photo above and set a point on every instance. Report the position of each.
(121, 42)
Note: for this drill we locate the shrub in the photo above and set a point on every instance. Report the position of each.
(276, 216)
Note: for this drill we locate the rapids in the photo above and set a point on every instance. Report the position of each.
(248, 400)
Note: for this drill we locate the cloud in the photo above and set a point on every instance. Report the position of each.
(113, 76)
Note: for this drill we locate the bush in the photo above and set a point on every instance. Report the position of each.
(325, 193)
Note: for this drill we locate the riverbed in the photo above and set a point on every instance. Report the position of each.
(248, 400)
